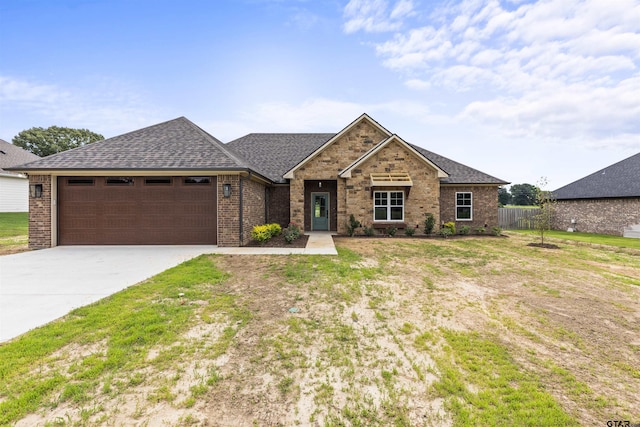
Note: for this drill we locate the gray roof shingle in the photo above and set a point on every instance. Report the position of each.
(176, 144)
(12, 155)
(275, 154)
(621, 179)
(459, 173)
(181, 145)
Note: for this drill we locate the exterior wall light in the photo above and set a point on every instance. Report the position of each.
(226, 190)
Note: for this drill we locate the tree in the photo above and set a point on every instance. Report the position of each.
(44, 142)
(523, 194)
(504, 197)
(546, 201)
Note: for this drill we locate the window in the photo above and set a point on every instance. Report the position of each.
(80, 181)
(162, 180)
(119, 180)
(388, 206)
(464, 207)
(202, 180)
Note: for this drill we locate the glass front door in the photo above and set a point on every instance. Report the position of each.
(320, 211)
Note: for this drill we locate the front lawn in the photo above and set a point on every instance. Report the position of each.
(14, 232)
(596, 239)
(463, 332)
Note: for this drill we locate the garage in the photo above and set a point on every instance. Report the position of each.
(137, 210)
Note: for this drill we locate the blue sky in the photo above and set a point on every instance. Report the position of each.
(517, 89)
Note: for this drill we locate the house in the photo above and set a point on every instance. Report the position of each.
(173, 183)
(14, 186)
(607, 201)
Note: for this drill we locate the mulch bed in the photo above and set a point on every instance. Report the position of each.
(280, 242)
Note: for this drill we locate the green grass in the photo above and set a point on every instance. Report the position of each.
(597, 239)
(123, 328)
(483, 385)
(14, 224)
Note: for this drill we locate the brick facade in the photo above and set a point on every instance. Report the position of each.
(253, 207)
(604, 216)
(40, 214)
(327, 165)
(422, 197)
(484, 205)
(278, 205)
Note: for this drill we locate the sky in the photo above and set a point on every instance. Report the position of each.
(518, 89)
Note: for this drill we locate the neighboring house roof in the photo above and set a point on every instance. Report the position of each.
(273, 154)
(617, 180)
(173, 145)
(12, 155)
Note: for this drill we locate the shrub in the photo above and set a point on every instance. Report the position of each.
(464, 230)
(291, 233)
(445, 232)
(352, 225)
(429, 223)
(368, 231)
(391, 231)
(496, 231)
(451, 226)
(480, 230)
(274, 229)
(409, 231)
(261, 233)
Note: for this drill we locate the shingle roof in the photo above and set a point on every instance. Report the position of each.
(181, 145)
(621, 179)
(273, 154)
(11, 155)
(176, 144)
(459, 173)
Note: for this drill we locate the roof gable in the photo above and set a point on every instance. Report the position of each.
(617, 180)
(346, 173)
(364, 117)
(177, 144)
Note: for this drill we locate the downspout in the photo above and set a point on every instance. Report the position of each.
(241, 212)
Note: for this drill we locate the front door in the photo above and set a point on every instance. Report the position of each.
(319, 211)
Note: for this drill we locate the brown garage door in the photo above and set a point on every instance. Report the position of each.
(137, 210)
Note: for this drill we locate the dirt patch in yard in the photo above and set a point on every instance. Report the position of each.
(365, 342)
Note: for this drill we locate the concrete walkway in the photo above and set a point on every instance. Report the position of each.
(38, 287)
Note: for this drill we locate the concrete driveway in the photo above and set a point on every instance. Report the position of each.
(40, 286)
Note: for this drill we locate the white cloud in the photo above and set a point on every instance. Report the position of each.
(106, 107)
(376, 16)
(543, 69)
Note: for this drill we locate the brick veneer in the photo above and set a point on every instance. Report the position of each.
(40, 214)
(278, 206)
(354, 195)
(605, 216)
(422, 197)
(485, 205)
(253, 207)
(326, 166)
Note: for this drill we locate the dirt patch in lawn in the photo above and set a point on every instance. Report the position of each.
(360, 339)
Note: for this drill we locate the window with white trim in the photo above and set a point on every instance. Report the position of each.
(388, 206)
(464, 206)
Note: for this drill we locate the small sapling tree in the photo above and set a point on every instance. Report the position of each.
(546, 201)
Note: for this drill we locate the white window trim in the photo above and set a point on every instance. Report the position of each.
(464, 206)
(388, 206)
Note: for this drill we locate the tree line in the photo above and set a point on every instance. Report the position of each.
(519, 195)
